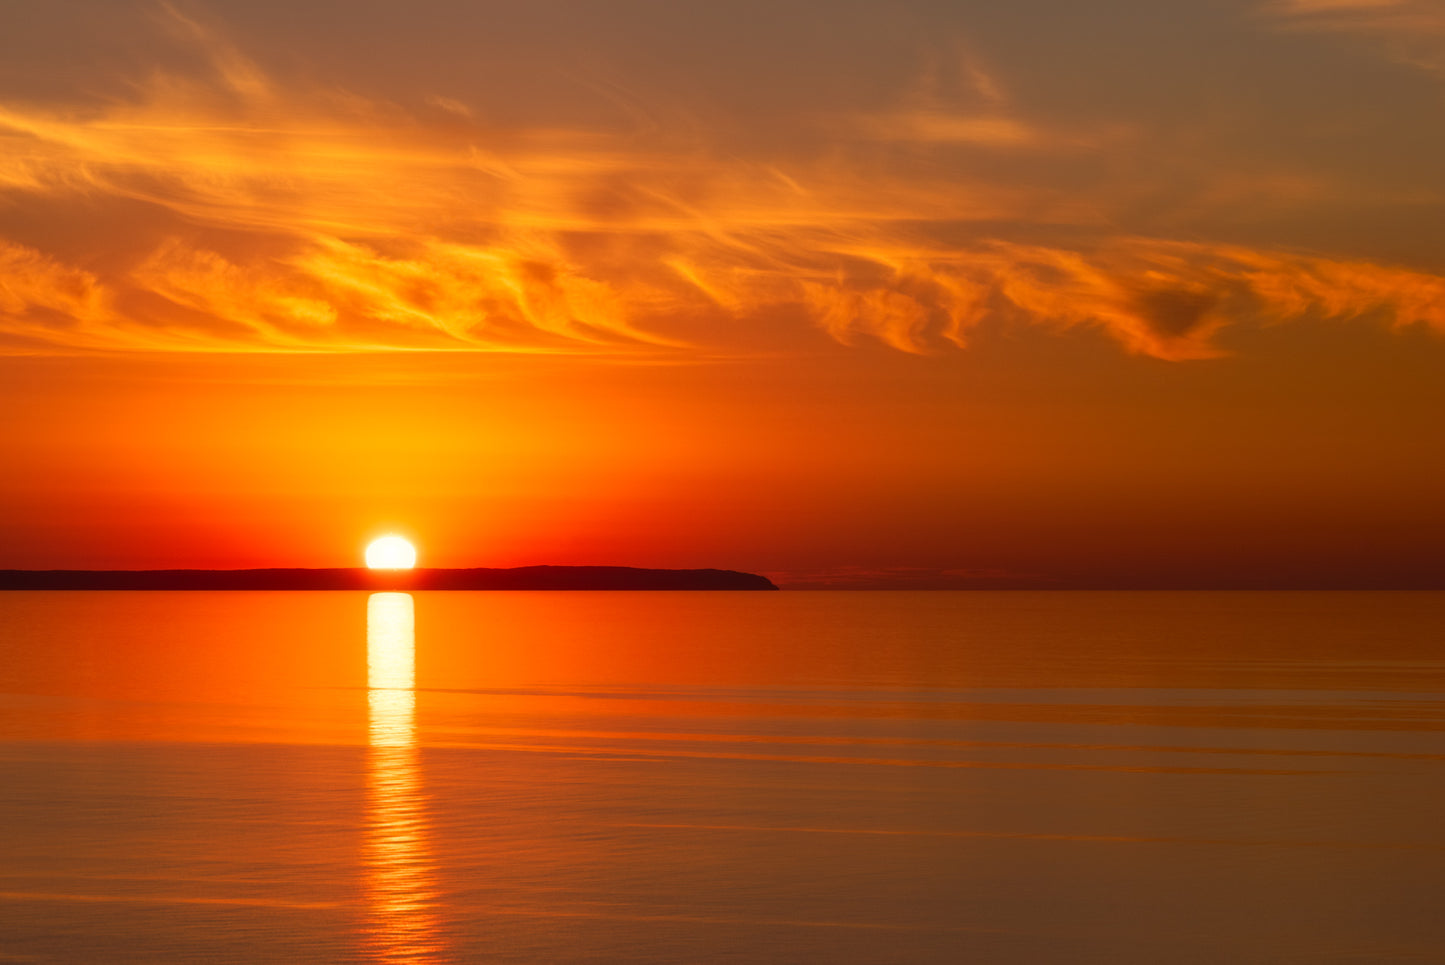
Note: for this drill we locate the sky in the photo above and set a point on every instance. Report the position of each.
(926, 293)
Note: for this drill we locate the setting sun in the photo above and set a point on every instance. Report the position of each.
(390, 553)
(1072, 371)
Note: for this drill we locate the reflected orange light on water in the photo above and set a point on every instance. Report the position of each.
(391, 669)
(401, 923)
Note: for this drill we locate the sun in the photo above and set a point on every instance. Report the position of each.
(390, 553)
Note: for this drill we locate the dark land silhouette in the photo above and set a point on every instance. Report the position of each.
(359, 578)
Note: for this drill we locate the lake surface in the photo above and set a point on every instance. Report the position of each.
(722, 777)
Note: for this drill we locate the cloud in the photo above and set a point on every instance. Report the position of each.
(1412, 32)
(38, 293)
(256, 218)
(956, 100)
(941, 127)
(235, 71)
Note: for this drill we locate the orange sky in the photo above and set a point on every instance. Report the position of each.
(904, 294)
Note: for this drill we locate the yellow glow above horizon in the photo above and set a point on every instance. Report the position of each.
(390, 553)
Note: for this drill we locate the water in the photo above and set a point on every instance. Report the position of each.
(729, 777)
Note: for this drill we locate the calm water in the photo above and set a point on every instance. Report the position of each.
(698, 778)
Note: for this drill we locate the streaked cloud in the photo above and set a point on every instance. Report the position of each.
(279, 219)
(45, 300)
(956, 100)
(939, 127)
(1410, 31)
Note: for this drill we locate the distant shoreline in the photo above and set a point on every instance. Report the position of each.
(359, 578)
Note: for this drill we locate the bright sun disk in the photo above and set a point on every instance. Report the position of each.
(390, 553)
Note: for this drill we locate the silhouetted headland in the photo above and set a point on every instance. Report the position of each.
(357, 578)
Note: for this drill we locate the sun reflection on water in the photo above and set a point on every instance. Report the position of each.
(401, 890)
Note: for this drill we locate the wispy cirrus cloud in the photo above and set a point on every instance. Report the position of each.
(1412, 32)
(958, 101)
(269, 219)
(1166, 299)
